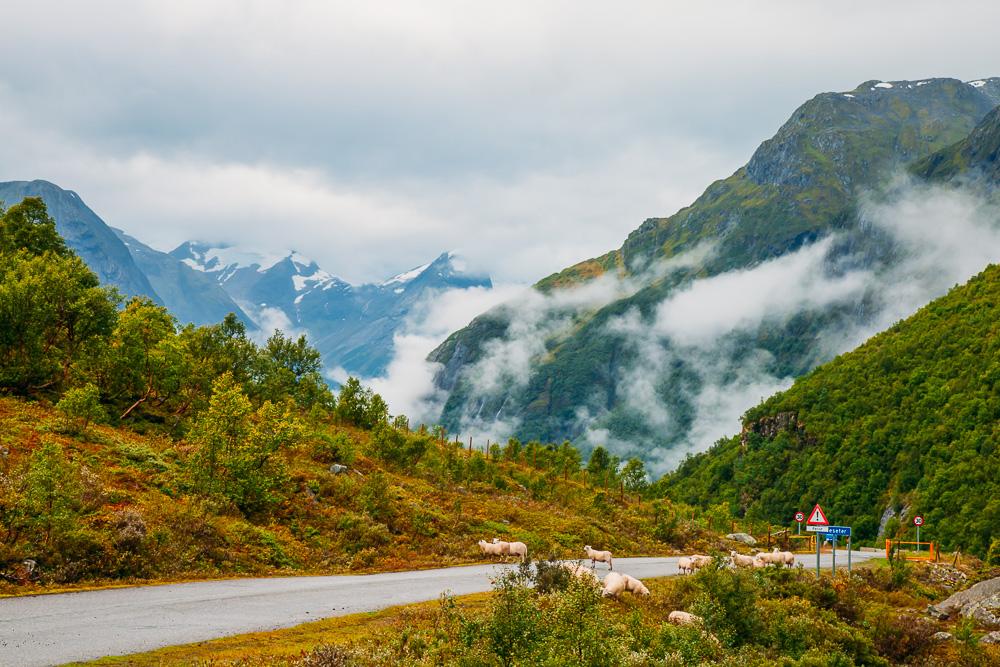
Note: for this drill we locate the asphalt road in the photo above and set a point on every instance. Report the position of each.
(55, 629)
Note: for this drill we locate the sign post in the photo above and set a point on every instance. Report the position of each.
(799, 518)
(833, 543)
(848, 554)
(918, 521)
(816, 523)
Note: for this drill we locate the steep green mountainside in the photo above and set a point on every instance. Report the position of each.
(910, 419)
(799, 187)
(976, 157)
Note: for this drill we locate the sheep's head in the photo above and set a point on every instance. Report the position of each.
(587, 548)
(495, 540)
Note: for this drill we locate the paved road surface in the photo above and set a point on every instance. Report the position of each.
(54, 629)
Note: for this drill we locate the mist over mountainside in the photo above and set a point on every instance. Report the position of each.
(353, 326)
(657, 348)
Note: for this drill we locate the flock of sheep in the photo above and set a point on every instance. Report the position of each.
(615, 583)
(689, 564)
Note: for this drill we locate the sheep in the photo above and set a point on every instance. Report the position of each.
(769, 558)
(699, 561)
(615, 584)
(684, 565)
(594, 556)
(518, 549)
(757, 562)
(786, 558)
(578, 571)
(683, 618)
(739, 560)
(635, 586)
(490, 548)
(512, 548)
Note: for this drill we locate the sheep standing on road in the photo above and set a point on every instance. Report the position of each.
(594, 556)
(519, 549)
(786, 558)
(615, 584)
(684, 565)
(739, 560)
(490, 548)
(699, 561)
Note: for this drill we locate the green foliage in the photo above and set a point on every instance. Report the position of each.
(81, 406)
(238, 447)
(397, 447)
(360, 406)
(913, 412)
(50, 495)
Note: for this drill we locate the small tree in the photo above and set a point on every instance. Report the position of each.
(634, 475)
(80, 406)
(51, 492)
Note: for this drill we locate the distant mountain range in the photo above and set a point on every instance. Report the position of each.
(607, 368)
(351, 325)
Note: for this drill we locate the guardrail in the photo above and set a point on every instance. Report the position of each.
(896, 548)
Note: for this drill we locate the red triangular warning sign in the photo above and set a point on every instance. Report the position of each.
(817, 518)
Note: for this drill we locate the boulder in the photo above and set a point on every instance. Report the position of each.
(990, 638)
(742, 537)
(942, 636)
(934, 612)
(980, 602)
(337, 469)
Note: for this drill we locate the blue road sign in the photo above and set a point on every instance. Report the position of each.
(837, 531)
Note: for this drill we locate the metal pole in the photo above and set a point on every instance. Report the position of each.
(798, 526)
(848, 555)
(918, 538)
(817, 555)
(834, 545)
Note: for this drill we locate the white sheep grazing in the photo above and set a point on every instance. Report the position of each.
(757, 562)
(614, 584)
(769, 558)
(490, 548)
(684, 565)
(683, 618)
(739, 560)
(594, 556)
(635, 586)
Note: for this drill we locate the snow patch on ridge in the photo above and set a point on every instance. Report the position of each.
(407, 276)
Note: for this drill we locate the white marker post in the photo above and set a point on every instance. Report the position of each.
(918, 521)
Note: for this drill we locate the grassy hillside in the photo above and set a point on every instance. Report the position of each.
(911, 420)
(799, 186)
(111, 504)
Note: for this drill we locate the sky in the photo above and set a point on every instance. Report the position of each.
(374, 136)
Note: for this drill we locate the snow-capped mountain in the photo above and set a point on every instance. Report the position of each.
(351, 325)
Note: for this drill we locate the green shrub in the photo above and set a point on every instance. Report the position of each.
(80, 406)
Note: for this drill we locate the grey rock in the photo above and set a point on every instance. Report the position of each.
(337, 469)
(942, 636)
(980, 602)
(934, 612)
(990, 638)
(742, 537)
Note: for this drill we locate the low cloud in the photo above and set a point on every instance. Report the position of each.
(935, 237)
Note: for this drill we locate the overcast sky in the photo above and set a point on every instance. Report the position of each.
(371, 136)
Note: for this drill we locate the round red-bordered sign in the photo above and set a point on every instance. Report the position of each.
(800, 517)
(918, 520)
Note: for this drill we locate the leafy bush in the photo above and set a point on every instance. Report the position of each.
(80, 406)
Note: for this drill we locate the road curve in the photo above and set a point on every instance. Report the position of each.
(55, 629)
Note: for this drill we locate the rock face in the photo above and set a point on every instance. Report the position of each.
(742, 537)
(980, 602)
(942, 636)
(991, 638)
